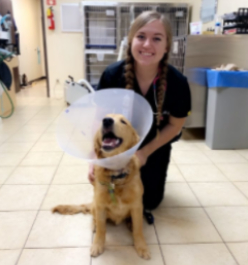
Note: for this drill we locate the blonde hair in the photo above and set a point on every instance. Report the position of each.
(139, 22)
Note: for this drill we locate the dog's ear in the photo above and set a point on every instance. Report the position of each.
(97, 145)
(135, 138)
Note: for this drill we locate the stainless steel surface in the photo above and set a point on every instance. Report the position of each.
(208, 51)
(227, 119)
(211, 51)
(107, 23)
(177, 53)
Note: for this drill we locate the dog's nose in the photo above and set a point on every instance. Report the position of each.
(107, 122)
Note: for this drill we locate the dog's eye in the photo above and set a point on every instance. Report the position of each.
(123, 121)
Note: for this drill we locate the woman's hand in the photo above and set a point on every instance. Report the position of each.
(142, 157)
(91, 176)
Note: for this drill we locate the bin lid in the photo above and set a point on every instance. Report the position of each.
(234, 79)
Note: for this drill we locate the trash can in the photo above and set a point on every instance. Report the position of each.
(227, 110)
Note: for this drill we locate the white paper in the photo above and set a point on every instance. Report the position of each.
(179, 14)
(100, 57)
(208, 10)
(175, 47)
(196, 28)
(110, 12)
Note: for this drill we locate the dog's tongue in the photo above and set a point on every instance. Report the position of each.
(110, 142)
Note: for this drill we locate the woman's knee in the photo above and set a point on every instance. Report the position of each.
(152, 202)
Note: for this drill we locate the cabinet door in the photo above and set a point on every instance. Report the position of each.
(16, 79)
(100, 27)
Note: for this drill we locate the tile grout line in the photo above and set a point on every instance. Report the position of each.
(172, 207)
(159, 244)
(19, 163)
(25, 123)
(231, 254)
(69, 184)
(223, 241)
(176, 165)
(213, 162)
(236, 150)
(232, 182)
(62, 247)
(15, 167)
(237, 188)
(53, 179)
(216, 164)
(189, 164)
(35, 142)
(38, 211)
(131, 246)
(202, 243)
(160, 207)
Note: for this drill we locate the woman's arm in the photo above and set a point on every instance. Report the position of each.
(172, 129)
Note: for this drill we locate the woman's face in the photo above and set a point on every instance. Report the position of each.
(149, 44)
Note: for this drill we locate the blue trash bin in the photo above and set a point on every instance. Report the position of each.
(227, 110)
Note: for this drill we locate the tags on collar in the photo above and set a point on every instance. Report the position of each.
(111, 190)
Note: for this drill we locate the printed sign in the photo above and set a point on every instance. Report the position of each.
(51, 2)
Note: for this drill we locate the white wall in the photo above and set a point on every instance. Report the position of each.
(65, 53)
(229, 6)
(27, 17)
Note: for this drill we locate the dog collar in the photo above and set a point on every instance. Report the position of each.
(120, 176)
(111, 185)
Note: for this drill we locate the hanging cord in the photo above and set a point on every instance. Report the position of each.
(8, 58)
(10, 100)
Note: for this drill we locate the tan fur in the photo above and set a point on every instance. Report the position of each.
(128, 192)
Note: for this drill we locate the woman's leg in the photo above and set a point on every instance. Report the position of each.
(153, 176)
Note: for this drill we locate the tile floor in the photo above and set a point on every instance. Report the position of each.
(203, 219)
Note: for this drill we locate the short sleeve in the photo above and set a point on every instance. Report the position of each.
(103, 83)
(181, 106)
(112, 76)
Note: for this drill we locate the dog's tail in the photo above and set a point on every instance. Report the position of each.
(72, 209)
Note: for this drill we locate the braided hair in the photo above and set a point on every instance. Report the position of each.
(139, 22)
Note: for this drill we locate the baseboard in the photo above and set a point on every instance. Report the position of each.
(29, 83)
(37, 79)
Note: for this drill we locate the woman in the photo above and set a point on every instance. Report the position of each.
(146, 71)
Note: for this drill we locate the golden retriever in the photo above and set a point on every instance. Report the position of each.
(117, 194)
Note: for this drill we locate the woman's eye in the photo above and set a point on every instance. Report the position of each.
(157, 39)
(123, 121)
(140, 37)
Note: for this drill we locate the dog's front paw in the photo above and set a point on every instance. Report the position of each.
(143, 251)
(96, 250)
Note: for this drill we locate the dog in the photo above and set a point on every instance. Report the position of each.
(117, 193)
